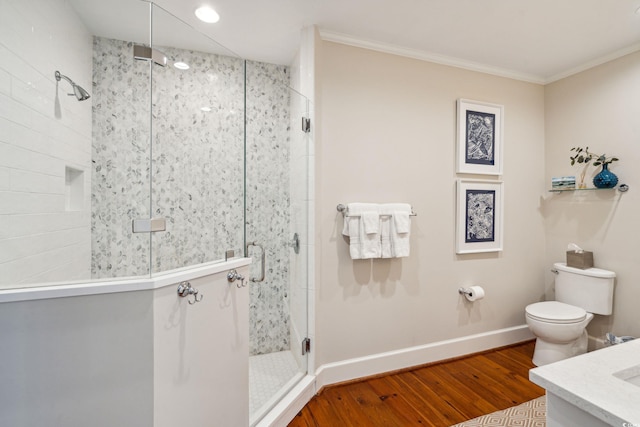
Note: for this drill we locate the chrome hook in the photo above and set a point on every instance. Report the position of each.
(185, 289)
(233, 275)
(195, 297)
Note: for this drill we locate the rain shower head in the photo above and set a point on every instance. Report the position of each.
(78, 91)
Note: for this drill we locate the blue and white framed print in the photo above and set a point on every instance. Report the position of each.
(479, 216)
(480, 128)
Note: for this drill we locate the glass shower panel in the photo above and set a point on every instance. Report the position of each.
(198, 137)
(121, 153)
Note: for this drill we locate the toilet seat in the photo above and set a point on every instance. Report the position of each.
(555, 312)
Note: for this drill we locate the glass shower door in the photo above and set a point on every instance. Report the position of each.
(276, 233)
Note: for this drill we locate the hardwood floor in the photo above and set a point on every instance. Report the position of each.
(439, 394)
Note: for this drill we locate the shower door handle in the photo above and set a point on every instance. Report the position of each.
(262, 261)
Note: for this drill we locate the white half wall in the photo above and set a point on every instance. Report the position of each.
(77, 361)
(143, 358)
(201, 354)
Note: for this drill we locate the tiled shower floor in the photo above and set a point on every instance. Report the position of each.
(270, 376)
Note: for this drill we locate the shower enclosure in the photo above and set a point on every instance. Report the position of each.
(181, 153)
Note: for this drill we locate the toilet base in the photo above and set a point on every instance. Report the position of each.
(547, 352)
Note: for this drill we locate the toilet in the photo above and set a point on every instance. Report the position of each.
(560, 325)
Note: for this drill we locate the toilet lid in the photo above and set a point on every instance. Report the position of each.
(556, 312)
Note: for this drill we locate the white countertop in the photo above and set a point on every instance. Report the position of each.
(588, 382)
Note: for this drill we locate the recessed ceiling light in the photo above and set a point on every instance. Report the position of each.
(207, 14)
(205, 109)
(181, 65)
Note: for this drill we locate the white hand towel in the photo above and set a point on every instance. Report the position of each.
(402, 221)
(400, 228)
(371, 220)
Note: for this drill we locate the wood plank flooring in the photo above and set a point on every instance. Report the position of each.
(439, 394)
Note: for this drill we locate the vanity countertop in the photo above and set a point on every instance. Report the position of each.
(598, 382)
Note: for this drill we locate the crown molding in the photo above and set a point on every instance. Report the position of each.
(470, 65)
(426, 56)
(594, 63)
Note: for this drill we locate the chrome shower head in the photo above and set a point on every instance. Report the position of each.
(78, 91)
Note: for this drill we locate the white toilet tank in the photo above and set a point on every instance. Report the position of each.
(590, 289)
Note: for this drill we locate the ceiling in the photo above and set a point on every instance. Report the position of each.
(537, 41)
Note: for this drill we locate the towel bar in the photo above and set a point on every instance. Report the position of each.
(343, 209)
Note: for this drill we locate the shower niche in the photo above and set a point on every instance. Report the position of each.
(74, 189)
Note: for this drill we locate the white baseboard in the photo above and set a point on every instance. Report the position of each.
(595, 343)
(350, 369)
(331, 373)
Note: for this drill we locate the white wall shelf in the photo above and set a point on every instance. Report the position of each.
(623, 188)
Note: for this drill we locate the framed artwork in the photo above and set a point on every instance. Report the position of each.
(479, 216)
(480, 128)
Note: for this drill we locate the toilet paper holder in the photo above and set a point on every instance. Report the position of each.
(464, 291)
(472, 293)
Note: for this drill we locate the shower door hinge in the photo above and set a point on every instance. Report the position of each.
(306, 346)
(306, 125)
(146, 53)
(149, 225)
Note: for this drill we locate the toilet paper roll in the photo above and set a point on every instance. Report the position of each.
(475, 293)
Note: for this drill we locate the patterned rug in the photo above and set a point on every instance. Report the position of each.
(529, 414)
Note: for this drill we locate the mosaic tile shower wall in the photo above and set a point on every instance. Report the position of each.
(197, 171)
(120, 154)
(268, 203)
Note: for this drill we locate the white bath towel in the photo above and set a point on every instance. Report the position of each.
(362, 245)
(399, 229)
(386, 250)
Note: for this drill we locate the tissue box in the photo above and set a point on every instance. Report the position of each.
(582, 260)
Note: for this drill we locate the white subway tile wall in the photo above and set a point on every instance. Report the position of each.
(42, 131)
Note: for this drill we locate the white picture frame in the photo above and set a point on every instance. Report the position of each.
(479, 217)
(479, 137)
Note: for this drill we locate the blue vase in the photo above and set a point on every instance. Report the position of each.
(605, 179)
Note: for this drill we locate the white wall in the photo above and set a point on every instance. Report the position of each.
(387, 133)
(597, 108)
(42, 131)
